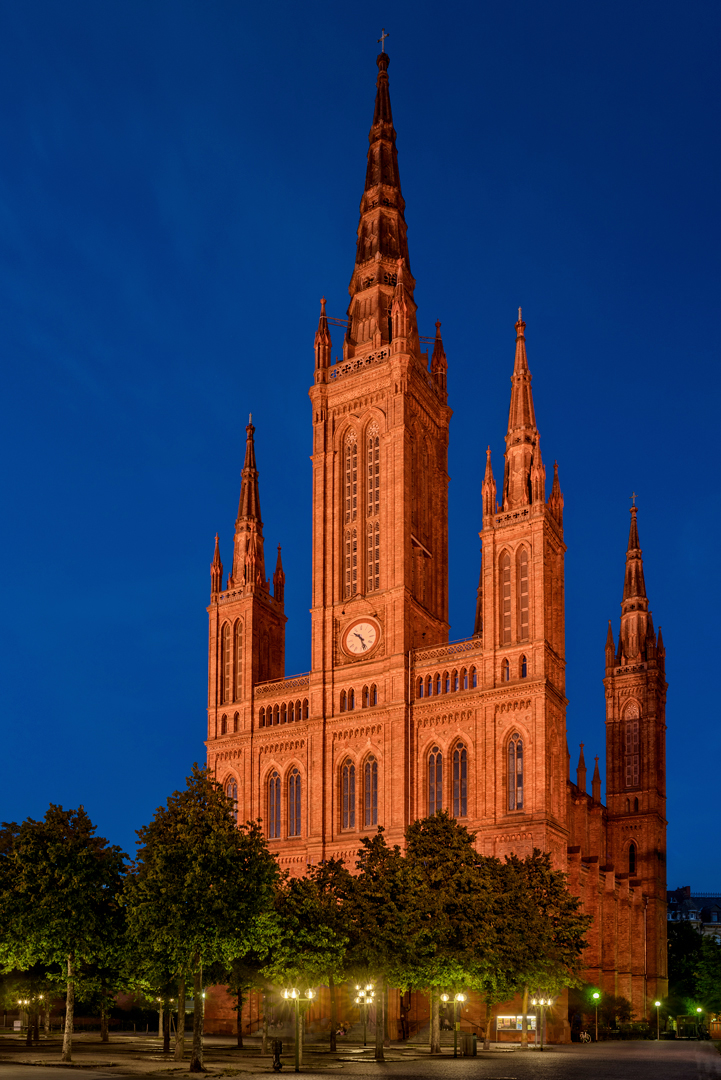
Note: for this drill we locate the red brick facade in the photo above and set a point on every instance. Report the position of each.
(393, 721)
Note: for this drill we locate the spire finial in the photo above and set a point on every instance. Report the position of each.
(633, 500)
(322, 305)
(382, 39)
(520, 325)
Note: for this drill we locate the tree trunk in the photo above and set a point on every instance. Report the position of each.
(524, 1019)
(240, 1018)
(386, 1021)
(180, 1029)
(31, 1025)
(380, 1023)
(46, 1019)
(196, 1057)
(486, 1039)
(160, 1020)
(264, 1046)
(435, 1022)
(333, 1014)
(104, 1036)
(166, 1028)
(67, 1054)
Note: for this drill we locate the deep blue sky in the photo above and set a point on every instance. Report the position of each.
(179, 184)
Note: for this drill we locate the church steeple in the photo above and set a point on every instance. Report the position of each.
(248, 557)
(279, 579)
(322, 345)
(581, 772)
(637, 634)
(525, 477)
(382, 262)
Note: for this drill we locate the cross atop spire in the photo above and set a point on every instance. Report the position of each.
(382, 39)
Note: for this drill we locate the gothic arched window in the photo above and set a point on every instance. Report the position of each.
(343, 701)
(460, 781)
(236, 718)
(435, 781)
(231, 790)
(429, 686)
(515, 772)
(523, 595)
(464, 679)
(351, 700)
(348, 788)
(632, 859)
(238, 653)
(294, 803)
(438, 684)
(523, 667)
(274, 806)
(373, 505)
(631, 747)
(298, 712)
(291, 712)
(374, 694)
(276, 715)
(261, 718)
(366, 698)
(370, 792)
(505, 597)
(505, 671)
(224, 725)
(283, 713)
(420, 688)
(350, 542)
(305, 708)
(225, 670)
(635, 806)
(446, 683)
(474, 677)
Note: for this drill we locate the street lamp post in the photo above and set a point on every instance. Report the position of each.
(658, 1006)
(596, 996)
(294, 996)
(699, 1010)
(364, 1000)
(457, 1002)
(542, 1002)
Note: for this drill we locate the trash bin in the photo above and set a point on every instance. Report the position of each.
(469, 1046)
(277, 1047)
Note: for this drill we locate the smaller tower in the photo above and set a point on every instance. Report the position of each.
(636, 761)
(247, 622)
(581, 773)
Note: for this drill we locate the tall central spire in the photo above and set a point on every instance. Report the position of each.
(382, 261)
(637, 632)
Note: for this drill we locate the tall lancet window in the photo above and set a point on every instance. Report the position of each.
(225, 668)
(294, 803)
(460, 781)
(523, 595)
(350, 499)
(435, 781)
(505, 597)
(238, 653)
(370, 792)
(348, 780)
(515, 772)
(632, 749)
(274, 806)
(373, 506)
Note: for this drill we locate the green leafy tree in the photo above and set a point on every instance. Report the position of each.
(454, 909)
(59, 897)
(685, 945)
(385, 926)
(314, 922)
(198, 890)
(708, 975)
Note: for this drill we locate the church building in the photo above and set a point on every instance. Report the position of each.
(395, 721)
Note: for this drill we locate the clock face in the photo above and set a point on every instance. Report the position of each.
(360, 638)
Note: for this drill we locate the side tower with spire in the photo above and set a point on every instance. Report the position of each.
(636, 762)
(247, 621)
(520, 620)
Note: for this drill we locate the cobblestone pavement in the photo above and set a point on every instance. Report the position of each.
(604, 1061)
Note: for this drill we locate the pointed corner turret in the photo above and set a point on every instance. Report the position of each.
(610, 648)
(279, 579)
(524, 477)
(439, 361)
(555, 499)
(488, 489)
(596, 784)
(581, 773)
(216, 572)
(478, 623)
(323, 346)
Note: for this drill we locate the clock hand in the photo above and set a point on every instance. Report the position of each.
(356, 634)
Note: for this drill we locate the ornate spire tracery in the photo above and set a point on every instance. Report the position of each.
(248, 555)
(525, 477)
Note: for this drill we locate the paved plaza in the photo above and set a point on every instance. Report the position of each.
(126, 1056)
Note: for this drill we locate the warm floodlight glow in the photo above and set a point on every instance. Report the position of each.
(444, 997)
(460, 997)
(657, 1004)
(699, 1009)
(596, 995)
